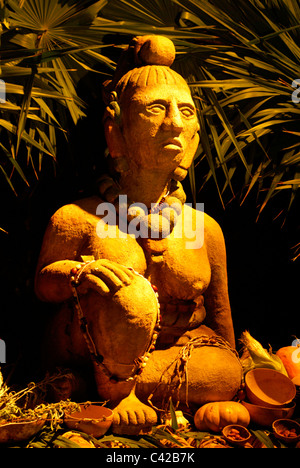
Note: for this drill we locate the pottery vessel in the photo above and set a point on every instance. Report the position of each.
(269, 388)
(93, 420)
(20, 431)
(265, 416)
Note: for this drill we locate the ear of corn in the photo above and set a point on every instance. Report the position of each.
(256, 356)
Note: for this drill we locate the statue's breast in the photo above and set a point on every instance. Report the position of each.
(125, 251)
(178, 272)
(177, 265)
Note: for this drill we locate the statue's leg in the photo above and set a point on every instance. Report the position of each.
(64, 348)
(121, 330)
(192, 375)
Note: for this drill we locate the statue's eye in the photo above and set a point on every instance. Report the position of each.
(156, 108)
(187, 111)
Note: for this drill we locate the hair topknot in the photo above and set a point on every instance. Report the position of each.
(153, 50)
(142, 51)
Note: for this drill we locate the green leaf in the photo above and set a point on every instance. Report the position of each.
(263, 438)
(160, 434)
(240, 60)
(174, 423)
(134, 442)
(12, 128)
(14, 163)
(25, 108)
(7, 179)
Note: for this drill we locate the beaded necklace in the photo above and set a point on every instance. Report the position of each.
(161, 219)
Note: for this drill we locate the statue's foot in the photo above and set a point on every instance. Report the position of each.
(133, 417)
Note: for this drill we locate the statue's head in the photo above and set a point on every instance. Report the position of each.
(150, 117)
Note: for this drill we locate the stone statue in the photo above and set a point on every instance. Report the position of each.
(140, 304)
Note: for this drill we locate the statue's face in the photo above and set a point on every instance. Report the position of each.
(160, 127)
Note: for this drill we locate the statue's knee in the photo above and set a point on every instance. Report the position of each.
(214, 374)
(209, 374)
(124, 323)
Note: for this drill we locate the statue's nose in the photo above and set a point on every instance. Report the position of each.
(173, 119)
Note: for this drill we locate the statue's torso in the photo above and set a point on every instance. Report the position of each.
(181, 274)
(172, 265)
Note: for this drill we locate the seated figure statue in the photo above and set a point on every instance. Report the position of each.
(138, 275)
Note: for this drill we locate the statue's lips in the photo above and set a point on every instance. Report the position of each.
(173, 144)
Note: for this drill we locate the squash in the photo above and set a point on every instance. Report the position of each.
(216, 415)
(290, 357)
(77, 438)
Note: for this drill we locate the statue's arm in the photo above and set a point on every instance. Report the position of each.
(59, 254)
(65, 241)
(217, 302)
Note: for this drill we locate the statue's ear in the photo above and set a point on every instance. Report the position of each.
(114, 137)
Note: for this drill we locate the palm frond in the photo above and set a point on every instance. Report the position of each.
(47, 47)
(240, 60)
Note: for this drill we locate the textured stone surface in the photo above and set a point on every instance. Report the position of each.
(152, 134)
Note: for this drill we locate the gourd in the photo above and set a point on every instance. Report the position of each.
(216, 415)
(78, 439)
(290, 357)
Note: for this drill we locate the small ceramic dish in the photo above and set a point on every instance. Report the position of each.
(269, 388)
(264, 416)
(236, 435)
(286, 430)
(19, 431)
(92, 419)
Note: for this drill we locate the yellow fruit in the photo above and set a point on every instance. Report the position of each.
(290, 357)
(216, 415)
(78, 439)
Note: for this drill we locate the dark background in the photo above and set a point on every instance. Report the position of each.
(263, 278)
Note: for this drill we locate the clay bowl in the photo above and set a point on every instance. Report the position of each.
(94, 420)
(269, 388)
(286, 430)
(236, 435)
(265, 416)
(20, 431)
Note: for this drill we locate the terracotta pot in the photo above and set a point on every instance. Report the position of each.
(282, 426)
(20, 431)
(265, 416)
(269, 388)
(243, 433)
(94, 420)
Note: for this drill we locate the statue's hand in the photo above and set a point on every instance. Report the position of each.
(105, 277)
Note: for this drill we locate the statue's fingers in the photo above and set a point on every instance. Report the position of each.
(97, 284)
(125, 274)
(108, 277)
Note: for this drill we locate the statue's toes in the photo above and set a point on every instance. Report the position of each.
(129, 417)
(150, 415)
(134, 421)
